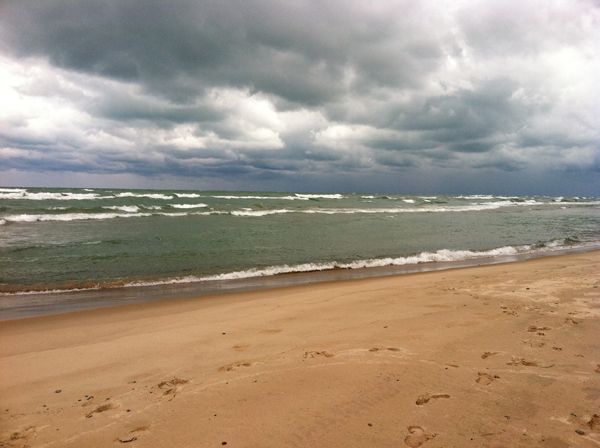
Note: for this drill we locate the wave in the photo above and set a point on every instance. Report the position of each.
(13, 190)
(188, 205)
(187, 195)
(409, 201)
(475, 196)
(442, 255)
(318, 196)
(2, 222)
(43, 196)
(129, 194)
(132, 211)
(350, 211)
(439, 256)
(135, 211)
(260, 198)
(123, 208)
(71, 217)
(260, 212)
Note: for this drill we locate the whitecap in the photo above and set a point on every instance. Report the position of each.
(71, 217)
(123, 208)
(319, 196)
(43, 196)
(187, 195)
(443, 255)
(129, 194)
(260, 198)
(259, 212)
(188, 205)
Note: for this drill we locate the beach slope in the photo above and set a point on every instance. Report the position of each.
(494, 356)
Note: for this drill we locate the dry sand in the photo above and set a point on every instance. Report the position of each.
(496, 356)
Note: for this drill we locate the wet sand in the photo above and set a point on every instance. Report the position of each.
(494, 356)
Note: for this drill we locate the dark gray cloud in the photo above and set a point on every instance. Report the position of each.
(263, 94)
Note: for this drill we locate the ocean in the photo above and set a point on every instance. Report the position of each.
(55, 241)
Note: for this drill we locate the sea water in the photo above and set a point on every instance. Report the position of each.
(78, 239)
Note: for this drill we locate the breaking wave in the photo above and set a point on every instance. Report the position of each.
(187, 195)
(129, 194)
(71, 217)
(443, 255)
(188, 205)
(44, 196)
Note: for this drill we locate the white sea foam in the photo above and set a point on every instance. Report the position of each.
(409, 201)
(43, 196)
(129, 194)
(260, 198)
(427, 197)
(390, 210)
(188, 205)
(123, 208)
(475, 196)
(367, 197)
(187, 195)
(260, 212)
(318, 196)
(71, 217)
(13, 190)
(443, 255)
(2, 222)
(174, 215)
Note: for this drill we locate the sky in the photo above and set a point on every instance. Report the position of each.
(428, 96)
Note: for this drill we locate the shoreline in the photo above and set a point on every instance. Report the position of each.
(32, 304)
(493, 356)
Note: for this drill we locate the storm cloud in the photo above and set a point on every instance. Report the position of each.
(470, 96)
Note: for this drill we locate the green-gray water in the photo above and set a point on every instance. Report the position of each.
(64, 239)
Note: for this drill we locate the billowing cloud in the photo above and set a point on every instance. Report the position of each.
(405, 96)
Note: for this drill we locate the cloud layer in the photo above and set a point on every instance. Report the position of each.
(397, 95)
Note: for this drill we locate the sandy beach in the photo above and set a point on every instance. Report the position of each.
(493, 356)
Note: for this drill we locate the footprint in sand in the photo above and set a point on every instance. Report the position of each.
(509, 311)
(515, 361)
(377, 349)
(594, 423)
(22, 436)
(485, 378)
(570, 320)
(132, 436)
(100, 409)
(234, 365)
(425, 398)
(534, 329)
(417, 436)
(488, 354)
(534, 344)
(597, 368)
(172, 386)
(318, 354)
(240, 347)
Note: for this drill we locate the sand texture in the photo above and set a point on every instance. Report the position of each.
(495, 356)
